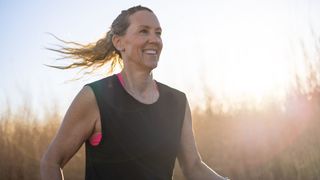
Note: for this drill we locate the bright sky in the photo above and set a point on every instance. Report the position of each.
(240, 50)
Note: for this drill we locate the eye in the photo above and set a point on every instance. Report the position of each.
(159, 33)
(143, 31)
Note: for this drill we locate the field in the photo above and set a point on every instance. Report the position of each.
(272, 143)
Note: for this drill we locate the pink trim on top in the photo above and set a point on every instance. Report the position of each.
(95, 139)
(119, 75)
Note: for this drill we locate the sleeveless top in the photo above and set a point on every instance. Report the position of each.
(139, 141)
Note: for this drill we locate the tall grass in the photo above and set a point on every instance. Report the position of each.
(269, 144)
(23, 140)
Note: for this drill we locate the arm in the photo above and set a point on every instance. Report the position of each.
(77, 126)
(189, 158)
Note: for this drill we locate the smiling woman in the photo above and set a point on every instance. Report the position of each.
(133, 127)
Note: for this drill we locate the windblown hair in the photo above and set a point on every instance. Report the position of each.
(95, 55)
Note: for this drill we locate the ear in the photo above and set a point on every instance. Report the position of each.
(117, 42)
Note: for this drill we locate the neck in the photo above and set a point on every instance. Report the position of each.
(141, 86)
(137, 82)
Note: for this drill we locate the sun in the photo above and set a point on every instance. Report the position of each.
(255, 64)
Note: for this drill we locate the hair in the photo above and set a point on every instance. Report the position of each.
(95, 55)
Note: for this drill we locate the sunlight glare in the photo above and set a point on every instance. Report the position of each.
(253, 64)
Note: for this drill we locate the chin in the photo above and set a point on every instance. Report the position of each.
(152, 64)
(151, 67)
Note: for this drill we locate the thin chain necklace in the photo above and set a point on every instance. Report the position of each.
(154, 96)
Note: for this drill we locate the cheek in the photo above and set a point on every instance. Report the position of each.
(161, 45)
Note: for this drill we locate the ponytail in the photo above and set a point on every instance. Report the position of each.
(95, 55)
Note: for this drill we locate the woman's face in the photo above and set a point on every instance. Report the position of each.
(142, 42)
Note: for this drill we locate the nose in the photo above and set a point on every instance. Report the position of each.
(155, 38)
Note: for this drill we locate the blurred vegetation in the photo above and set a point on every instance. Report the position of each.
(268, 144)
(23, 140)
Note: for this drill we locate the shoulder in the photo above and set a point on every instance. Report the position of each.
(101, 82)
(104, 90)
(100, 86)
(171, 91)
(169, 88)
(83, 106)
(85, 96)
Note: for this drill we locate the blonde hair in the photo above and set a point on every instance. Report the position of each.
(95, 55)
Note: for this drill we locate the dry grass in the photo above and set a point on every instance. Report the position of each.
(24, 138)
(269, 144)
(272, 144)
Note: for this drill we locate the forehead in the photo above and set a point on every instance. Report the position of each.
(144, 18)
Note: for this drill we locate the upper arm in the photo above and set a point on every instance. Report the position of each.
(188, 155)
(77, 126)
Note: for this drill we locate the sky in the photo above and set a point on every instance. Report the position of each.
(239, 50)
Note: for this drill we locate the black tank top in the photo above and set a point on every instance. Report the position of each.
(139, 141)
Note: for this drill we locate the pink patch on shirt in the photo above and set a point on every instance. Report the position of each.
(95, 139)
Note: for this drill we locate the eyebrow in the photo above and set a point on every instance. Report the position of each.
(148, 27)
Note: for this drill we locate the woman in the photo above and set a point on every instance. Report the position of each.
(133, 126)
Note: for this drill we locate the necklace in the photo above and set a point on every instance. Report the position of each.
(149, 98)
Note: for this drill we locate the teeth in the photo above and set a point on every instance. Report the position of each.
(153, 52)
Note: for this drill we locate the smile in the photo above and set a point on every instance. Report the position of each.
(150, 52)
